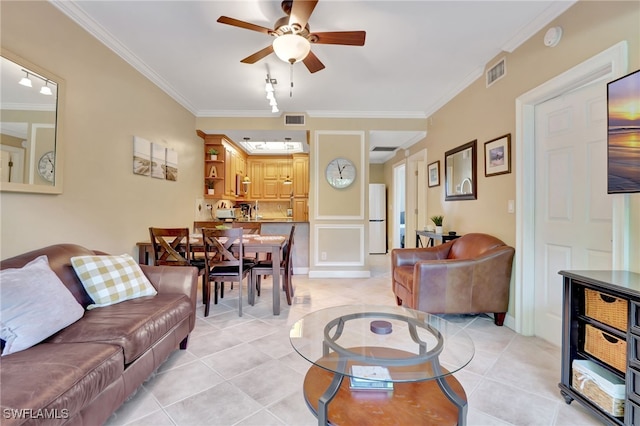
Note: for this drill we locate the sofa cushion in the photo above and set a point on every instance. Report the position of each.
(134, 325)
(60, 378)
(111, 279)
(26, 320)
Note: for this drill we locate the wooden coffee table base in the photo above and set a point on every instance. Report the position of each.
(417, 403)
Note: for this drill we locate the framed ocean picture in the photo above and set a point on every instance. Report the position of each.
(623, 134)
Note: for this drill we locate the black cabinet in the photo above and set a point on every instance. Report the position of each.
(601, 325)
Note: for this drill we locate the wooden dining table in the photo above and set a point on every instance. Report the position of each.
(252, 243)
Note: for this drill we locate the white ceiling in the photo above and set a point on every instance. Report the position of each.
(417, 54)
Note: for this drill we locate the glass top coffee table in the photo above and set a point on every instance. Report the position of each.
(419, 352)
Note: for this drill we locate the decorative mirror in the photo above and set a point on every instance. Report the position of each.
(30, 142)
(460, 172)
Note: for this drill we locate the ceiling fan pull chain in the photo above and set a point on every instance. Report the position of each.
(291, 79)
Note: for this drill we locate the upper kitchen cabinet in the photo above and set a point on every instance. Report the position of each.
(301, 176)
(268, 176)
(224, 170)
(255, 174)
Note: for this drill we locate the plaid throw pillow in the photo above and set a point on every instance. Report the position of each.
(111, 279)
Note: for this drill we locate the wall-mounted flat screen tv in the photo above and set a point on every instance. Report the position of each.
(623, 134)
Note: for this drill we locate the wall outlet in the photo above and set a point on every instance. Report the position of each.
(323, 255)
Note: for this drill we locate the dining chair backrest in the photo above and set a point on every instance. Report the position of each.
(218, 248)
(170, 246)
(287, 251)
(248, 227)
(198, 225)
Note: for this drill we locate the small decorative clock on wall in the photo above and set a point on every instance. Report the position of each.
(340, 173)
(46, 166)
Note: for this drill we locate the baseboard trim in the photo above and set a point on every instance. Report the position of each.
(339, 274)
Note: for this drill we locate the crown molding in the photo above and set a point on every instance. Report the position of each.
(76, 14)
(367, 114)
(554, 10)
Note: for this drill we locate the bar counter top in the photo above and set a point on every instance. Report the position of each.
(271, 220)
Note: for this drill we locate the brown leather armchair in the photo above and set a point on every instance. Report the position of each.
(470, 274)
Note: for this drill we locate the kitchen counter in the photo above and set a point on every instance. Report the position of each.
(272, 220)
(301, 242)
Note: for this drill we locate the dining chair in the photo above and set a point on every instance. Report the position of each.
(248, 227)
(252, 228)
(265, 267)
(223, 252)
(171, 247)
(199, 224)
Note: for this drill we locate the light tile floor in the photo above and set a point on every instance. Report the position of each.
(243, 371)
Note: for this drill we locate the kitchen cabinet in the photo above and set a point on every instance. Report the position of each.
(228, 158)
(601, 324)
(301, 176)
(214, 170)
(301, 209)
(230, 161)
(267, 178)
(300, 188)
(255, 174)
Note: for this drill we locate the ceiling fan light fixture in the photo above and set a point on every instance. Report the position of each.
(291, 48)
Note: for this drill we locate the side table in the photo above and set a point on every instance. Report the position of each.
(433, 236)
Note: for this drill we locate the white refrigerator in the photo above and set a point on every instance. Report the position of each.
(377, 219)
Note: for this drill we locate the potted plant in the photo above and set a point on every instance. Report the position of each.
(437, 220)
(213, 153)
(210, 189)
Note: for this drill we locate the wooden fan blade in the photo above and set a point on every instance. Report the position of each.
(312, 63)
(349, 38)
(252, 59)
(246, 25)
(301, 11)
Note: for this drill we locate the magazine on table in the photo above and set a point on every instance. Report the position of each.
(371, 377)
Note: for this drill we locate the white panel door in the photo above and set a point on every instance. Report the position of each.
(573, 216)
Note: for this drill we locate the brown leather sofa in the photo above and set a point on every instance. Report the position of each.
(469, 275)
(83, 373)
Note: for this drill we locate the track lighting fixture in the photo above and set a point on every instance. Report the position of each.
(27, 82)
(271, 93)
(46, 90)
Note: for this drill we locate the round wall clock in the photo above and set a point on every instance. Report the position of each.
(340, 173)
(46, 166)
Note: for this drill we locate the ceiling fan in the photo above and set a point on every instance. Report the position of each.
(293, 38)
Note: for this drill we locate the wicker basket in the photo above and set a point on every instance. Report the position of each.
(606, 347)
(602, 387)
(606, 309)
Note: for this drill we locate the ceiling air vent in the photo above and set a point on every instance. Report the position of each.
(497, 71)
(294, 120)
(384, 148)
